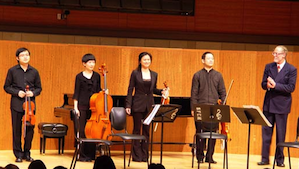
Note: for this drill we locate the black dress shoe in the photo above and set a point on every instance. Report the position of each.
(200, 159)
(212, 161)
(280, 165)
(19, 159)
(28, 158)
(85, 159)
(263, 163)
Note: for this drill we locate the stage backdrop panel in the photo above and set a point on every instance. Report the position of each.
(58, 65)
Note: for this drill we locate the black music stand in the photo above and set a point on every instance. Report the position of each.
(164, 113)
(210, 114)
(250, 115)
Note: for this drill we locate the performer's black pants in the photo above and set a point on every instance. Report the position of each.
(88, 149)
(140, 148)
(201, 143)
(17, 135)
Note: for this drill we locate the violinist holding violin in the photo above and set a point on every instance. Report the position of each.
(207, 87)
(18, 77)
(87, 83)
(144, 82)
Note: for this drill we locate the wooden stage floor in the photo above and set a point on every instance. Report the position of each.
(171, 160)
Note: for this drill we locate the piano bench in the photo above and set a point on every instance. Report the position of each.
(52, 130)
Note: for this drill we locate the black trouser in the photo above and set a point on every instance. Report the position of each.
(280, 120)
(201, 143)
(87, 149)
(140, 148)
(17, 135)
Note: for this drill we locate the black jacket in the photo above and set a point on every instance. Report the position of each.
(141, 101)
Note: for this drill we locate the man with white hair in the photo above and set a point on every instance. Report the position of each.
(279, 81)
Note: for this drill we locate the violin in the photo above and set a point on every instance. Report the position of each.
(164, 99)
(225, 130)
(28, 107)
(99, 125)
(225, 126)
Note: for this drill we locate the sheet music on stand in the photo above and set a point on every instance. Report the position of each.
(250, 114)
(149, 119)
(260, 113)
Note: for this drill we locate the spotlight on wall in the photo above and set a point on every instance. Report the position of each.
(63, 15)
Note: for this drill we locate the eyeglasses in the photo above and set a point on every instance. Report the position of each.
(22, 55)
(277, 54)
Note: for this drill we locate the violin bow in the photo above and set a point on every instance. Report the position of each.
(230, 86)
(24, 120)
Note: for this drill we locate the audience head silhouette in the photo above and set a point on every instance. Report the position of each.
(156, 166)
(104, 162)
(37, 164)
(11, 166)
(60, 167)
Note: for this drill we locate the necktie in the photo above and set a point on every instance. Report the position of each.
(278, 68)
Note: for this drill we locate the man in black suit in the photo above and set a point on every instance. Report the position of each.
(279, 81)
(18, 77)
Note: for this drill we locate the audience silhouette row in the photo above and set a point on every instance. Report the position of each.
(101, 162)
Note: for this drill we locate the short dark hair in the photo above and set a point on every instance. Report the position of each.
(59, 167)
(204, 55)
(87, 57)
(156, 166)
(104, 162)
(11, 166)
(37, 164)
(141, 56)
(20, 50)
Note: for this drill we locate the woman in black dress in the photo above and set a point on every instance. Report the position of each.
(144, 82)
(87, 83)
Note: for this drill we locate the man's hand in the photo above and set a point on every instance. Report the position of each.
(192, 113)
(270, 83)
(106, 91)
(29, 93)
(21, 94)
(128, 110)
(219, 101)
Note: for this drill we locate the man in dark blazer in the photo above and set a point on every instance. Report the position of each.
(18, 77)
(279, 81)
(207, 88)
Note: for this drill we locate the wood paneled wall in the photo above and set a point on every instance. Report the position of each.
(58, 65)
(220, 16)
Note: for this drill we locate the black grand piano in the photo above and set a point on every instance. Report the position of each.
(119, 101)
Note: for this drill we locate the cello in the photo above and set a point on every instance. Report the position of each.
(99, 125)
(28, 118)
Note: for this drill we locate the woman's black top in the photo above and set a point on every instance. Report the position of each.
(147, 85)
(85, 88)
